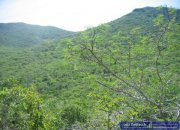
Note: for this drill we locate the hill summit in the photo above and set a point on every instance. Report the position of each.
(25, 35)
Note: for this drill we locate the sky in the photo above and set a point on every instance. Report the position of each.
(72, 15)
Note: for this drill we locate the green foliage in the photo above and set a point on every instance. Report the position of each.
(25, 35)
(109, 105)
(21, 109)
(125, 70)
(135, 66)
(73, 114)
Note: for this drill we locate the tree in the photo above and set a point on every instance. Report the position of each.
(135, 66)
(21, 108)
(72, 114)
(108, 103)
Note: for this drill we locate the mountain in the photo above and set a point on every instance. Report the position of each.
(138, 72)
(25, 35)
(140, 17)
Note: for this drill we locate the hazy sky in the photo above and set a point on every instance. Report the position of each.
(74, 15)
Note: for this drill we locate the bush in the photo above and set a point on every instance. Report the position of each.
(73, 114)
(20, 108)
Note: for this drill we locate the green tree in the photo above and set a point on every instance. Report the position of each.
(135, 66)
(72, 114)
(21, 108)
(107, 104)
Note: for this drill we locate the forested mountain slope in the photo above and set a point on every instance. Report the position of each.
(26, 35)
(125, 70)
(142, 17)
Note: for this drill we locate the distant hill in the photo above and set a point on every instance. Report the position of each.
(140, 17)
(25, 35)
(116, 69)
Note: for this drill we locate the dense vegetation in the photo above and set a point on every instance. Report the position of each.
(26, 35)
(125, 70)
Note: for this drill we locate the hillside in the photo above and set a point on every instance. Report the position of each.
(124, 70)
(142, 17)
(26, 35)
